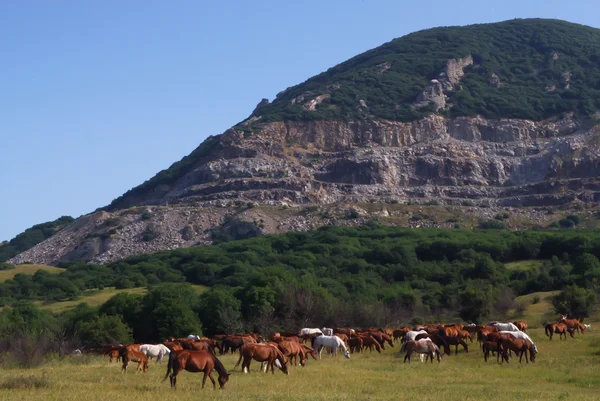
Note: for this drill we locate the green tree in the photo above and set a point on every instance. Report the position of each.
(220, 311)
(475, 304)
(105, 330)
(575, 301)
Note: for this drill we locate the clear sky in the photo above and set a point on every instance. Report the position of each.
(97, 96)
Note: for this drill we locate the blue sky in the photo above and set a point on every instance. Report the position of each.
(98, 96)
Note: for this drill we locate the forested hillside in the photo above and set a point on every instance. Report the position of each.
(359, 276)
(520, 69)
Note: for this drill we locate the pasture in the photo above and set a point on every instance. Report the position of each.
(27, 269)
(98, 297)
(564, 370)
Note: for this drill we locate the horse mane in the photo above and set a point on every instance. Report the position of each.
(219, 366)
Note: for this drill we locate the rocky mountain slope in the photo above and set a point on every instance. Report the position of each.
(496, 115)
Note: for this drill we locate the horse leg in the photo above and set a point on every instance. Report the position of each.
(456, 350)
(204, 379)
(212, 379)
(407, 356)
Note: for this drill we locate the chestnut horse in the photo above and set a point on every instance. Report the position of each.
(557, 328)
(195, 361)
(262, 353)
(572, 324)
(521, 325)
(519, 346)
(136, 356)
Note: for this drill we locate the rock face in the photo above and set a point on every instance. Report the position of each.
(498, 163)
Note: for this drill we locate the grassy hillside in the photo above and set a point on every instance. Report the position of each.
(32, 236)
(27, 269)
(98, 297)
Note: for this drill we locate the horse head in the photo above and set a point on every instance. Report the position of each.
(347, 354)
(223, 379)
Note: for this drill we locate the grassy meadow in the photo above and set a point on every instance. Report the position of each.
(564, 370)
(27, 269)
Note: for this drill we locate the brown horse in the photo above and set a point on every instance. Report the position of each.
(519, 346)
(572, 325)
(491, 346)
(294, 351)
(399, 334)
(196, 361)
(370, 342)
(262, 353)
(134, 356)
(355, 344)
(557, 328)
(521, 325)
(456, 340)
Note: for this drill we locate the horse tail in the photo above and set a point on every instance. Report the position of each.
(239, 360)
(403, 348)
(548, 328)
(170, 364)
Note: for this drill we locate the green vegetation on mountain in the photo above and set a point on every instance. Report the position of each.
(361, 274)
(529, 56)
(32, 236)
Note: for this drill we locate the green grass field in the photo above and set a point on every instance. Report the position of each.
(98, 297)
(564, 370)
(27, 269)
(524, 265)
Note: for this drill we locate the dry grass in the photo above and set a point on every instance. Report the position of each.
(524, 265)
(98, 297)
(564, 370)
(27, 269)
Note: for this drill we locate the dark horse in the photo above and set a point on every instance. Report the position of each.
(196, 361)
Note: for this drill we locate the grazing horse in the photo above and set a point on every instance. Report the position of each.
(456, 340)
(294, 351)
(262, 353)
(506, 326)
(309, 331)
(412, 335)
(491, 346)
(521, 325)
(521, 335)
(318, 343)
(356, 344)
(234, 343)
(195, 361)
(344, 330)
(557, 328)
(370, 342)
(135, 356)
(157, 351)
(424, 346)
(518, 345)
(572, 324)
(400, 333)
(326, 331)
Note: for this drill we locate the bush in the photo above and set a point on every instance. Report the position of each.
(351, 214)
(148, 235)
(574, 218)
(566, 223)
(492, 225)
(147, 215)
(467, 203)
(536, 300)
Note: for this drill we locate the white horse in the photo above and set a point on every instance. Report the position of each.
(506, 326)
(522, 335)
(587, 326)
(327, 332)
(157, 351)
(193, 337)
(307, 331)
(411, 335)
(422, 347)
(330, 341)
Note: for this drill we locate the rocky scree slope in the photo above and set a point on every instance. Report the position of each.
(500, 115)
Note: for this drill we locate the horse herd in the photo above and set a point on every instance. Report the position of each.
(198, 354)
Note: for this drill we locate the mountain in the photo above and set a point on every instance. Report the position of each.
(32, 236)
(476, 119)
